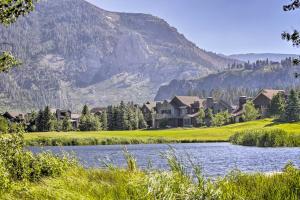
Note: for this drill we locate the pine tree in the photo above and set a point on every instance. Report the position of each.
(110, 118)
(47, 117)
(209, 117)
(85, 110)
(66, 125)
(104, 121)
(201, 117)
(277, 107)
(39, 121)
(292, 110)
(141, 121)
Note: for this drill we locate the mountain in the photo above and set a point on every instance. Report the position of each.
(75, 53)
(231, 84)
(252, 57)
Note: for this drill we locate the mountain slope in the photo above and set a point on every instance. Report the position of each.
(74, 53)
(252, 57)
(229, 85)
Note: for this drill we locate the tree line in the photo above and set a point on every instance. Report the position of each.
(286, 108)
(125, 116)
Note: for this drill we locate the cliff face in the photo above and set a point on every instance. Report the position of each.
(74, 53)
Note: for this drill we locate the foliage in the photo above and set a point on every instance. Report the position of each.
(17, 164)
(10, 10)
(125, 117)
(208, 117)
(85, 110)
(265, 138)
(89, 123)
(3, 125)
(7, 61)
(221, 119)
(103, 119)
(277, 107)
(45, 121)
(201, 117)
(66, 125)
(294, 36)
(292, 110)
(250, 112)
(118, 183)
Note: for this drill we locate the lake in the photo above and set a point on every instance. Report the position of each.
(216, 159)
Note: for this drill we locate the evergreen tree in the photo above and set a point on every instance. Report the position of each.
(209, 117)
(103, 120)
(66, 125)
(39, 122)
(251, 113)
(85, 110)
(110, 118)
(47, 117)
(89, 123)
(201, 117)
(292, 110)
(277, 107)
(141, 121)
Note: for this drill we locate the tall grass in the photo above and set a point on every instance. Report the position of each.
(18, 165)
(177, 184)
(265, 138)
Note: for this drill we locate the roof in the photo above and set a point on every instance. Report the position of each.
(14, 114)
(189, 100)
(150, 105)
(269, 93)
(97, 109)
(75, 116)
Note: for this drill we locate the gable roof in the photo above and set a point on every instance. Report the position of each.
(189, 100)
(269, 93)
(150, 105)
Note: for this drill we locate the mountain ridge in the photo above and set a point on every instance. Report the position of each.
(83, 54)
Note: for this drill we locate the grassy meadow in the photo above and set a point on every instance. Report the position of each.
(178, 135)
(132, 183)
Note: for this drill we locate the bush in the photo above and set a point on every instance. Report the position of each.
(16, 164)
(265, 138)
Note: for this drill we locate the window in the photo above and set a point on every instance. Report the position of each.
(166, 112)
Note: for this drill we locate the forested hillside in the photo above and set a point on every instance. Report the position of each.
(239, 80)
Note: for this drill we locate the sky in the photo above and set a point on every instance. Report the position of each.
(221, 26)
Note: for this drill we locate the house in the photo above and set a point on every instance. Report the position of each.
(14, 117)
(149, 110)
(217, 106)
(62, 114)
(181, 111)
(263, 99)
(97, 111)
(75, 118)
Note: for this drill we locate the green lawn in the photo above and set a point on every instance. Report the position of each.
(219, 134)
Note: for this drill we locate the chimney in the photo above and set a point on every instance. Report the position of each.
(242, 101)
(209, 102)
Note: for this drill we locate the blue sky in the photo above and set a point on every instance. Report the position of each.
(222, 26)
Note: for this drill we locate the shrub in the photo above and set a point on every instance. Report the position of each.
(265, 138)
(17, 164)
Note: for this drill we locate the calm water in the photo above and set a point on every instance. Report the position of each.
(216, 159)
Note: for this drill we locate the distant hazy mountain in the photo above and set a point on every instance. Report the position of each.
(252, 57)
(231, 84)
(75, 53)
